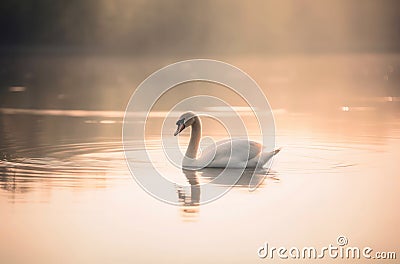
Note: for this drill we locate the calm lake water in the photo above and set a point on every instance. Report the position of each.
(67, 196)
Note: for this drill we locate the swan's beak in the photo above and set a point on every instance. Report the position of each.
(179, 129)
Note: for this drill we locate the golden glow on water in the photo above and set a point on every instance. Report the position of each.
(325, 182)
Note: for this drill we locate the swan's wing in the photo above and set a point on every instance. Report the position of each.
(242, 151)
(241, 146)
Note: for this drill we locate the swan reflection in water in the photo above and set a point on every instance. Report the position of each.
(189, 197)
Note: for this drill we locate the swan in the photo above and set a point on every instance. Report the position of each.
(229, 153)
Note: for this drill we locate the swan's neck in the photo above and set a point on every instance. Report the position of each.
(195, 136)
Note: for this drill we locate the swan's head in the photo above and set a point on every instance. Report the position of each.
(184, 121)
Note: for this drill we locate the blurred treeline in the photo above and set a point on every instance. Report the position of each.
(206, 26)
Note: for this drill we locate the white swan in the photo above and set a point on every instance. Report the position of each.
(235, 153)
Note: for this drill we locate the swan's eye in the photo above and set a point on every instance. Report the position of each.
(180, 122)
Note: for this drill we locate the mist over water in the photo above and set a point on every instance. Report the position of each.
(298, 83)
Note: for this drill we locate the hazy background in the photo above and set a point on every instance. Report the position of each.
(92, 54)
(199, 27)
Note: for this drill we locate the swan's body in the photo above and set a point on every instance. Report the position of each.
(231, 153)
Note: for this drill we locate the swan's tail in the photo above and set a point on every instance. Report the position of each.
(276, 151)
(266, 156)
